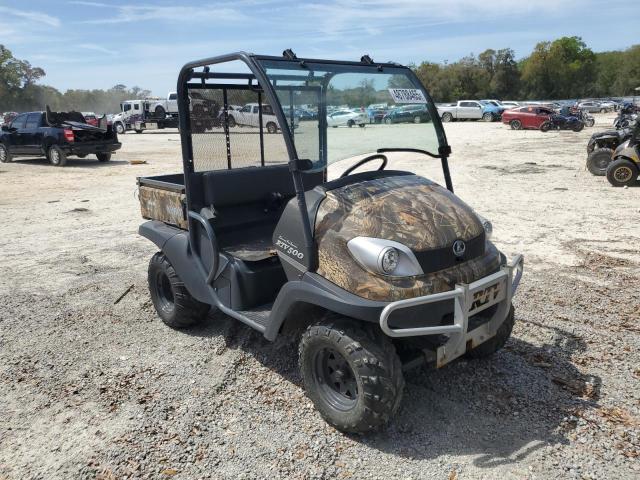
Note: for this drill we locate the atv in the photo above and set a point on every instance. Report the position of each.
(378, 270)
(624, 168)
(601, 147)
(627, 117)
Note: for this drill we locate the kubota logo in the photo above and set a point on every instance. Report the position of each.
(459, 248)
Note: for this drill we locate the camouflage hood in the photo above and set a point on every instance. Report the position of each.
(408, 209)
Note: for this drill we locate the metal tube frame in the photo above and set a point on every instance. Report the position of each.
(257, 72)
(463, 296)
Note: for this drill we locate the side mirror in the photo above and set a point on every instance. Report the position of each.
(7, 128)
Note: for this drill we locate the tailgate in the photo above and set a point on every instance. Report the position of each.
(162, 198)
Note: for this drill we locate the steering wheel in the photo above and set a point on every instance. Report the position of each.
(376, 156)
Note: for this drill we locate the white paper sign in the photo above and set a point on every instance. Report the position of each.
(407, 95)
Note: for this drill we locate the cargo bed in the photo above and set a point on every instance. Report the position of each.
(162, 197)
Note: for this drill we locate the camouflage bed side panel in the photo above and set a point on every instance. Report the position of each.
(163, 205)
(408, 209)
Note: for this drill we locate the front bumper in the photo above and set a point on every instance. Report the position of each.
(469, 299)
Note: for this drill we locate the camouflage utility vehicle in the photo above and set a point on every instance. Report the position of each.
(381, 269)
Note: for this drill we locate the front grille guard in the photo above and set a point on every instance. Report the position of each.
(466, 304)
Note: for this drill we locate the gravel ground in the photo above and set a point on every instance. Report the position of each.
(95, 388)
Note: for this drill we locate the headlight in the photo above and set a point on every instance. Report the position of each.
(384, 257)
(388, 260)
(487, 225)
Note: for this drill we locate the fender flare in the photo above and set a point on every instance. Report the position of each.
(174, 244)
(315, 290)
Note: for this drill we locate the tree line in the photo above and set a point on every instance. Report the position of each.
(19, 91)
(562, 69)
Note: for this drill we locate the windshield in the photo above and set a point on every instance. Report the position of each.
(355, 109)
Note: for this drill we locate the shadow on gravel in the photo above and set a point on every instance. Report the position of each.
(499, 410)
(72, 162)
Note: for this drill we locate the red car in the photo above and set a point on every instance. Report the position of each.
(531, 116)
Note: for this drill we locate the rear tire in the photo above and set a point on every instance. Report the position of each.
(352, 374)
(56, 156)
(361, 125)
(599, 160)
(622, 173)
(495, 343)
(103, 157)
(232, 122)
(578, 127)
(487, 117)
(5, 156)
(172, 301)
(590, 122)
(515, 124)
(545, 126)
(447, 117)
(417, 119)
(160, 112)
(139, 131)
(387, 121)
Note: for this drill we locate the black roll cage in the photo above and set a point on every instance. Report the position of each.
(264, 86)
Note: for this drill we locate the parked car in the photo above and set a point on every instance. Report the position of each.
(56, 135)
(249, 115)
(496, 103)
(91, 118)
(592, 107)
(466, 110)
(408, 113)
(510, 104)
(609, 105)
(305, 115)
(347, 118)
(528, 117)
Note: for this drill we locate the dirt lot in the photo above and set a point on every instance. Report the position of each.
(91, 388)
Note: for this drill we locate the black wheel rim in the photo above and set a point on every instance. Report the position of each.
(335, 379)
(164, 292)
(602, 161)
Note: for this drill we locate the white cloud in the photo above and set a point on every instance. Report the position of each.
(97, 48)
(141, 13)
(35, 17)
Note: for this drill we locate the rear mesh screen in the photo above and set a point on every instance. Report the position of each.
(229, 129)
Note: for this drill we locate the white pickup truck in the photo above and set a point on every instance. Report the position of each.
(249, 115)
(464, 110)
(161, 107)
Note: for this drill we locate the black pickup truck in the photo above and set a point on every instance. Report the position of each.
(56, 135)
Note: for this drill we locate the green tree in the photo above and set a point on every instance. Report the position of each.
(564, 68)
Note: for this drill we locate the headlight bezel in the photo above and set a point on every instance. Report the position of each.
(368, 252)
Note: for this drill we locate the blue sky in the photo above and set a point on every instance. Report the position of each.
(96, 44)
